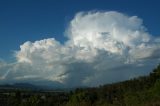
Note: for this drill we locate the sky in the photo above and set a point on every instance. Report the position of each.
(56, 41)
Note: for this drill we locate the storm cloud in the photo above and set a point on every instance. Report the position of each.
(102, 47)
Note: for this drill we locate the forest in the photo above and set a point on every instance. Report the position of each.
(141, 91)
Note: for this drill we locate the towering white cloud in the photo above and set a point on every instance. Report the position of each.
(102, 47)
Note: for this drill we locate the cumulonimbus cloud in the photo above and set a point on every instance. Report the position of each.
(102, 47)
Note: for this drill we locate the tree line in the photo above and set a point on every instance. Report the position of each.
(141, 91)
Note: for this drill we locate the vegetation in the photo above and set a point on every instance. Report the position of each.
(142, 91)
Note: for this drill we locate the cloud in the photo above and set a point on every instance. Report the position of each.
(102, 47)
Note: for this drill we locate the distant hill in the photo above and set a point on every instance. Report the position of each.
(18, 86)
(141, 91)
(41, 85)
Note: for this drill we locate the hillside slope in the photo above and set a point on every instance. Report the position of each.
(142, 91)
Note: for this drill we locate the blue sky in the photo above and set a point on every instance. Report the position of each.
(23, 20)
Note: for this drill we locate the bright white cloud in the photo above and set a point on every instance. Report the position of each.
(102, 47)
